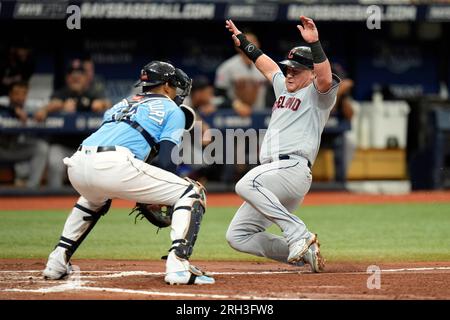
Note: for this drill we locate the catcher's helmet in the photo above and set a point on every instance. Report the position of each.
(299, 57)
(159, 72)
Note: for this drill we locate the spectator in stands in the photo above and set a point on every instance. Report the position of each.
(241, 85)
(343, 110)
(74, 97)
(202, 95)
(16, 148)
(16, 67)
(95, 85)
(343, 107)
(201, 100)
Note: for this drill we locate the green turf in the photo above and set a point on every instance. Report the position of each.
(391, 232)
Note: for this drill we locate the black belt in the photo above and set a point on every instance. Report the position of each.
(101, 149)
(287, 157)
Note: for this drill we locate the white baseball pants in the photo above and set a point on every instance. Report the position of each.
(99, 176)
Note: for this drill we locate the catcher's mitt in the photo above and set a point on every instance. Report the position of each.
(159, 215)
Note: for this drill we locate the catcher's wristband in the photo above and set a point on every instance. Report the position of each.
(249, 48)
(317, 52)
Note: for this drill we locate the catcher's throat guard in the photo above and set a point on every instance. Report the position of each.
(189, 114)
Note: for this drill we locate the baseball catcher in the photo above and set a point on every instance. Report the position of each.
(114, 163)
(305, 91)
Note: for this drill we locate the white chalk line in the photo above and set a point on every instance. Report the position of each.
(415, 269)
(145, 273)
(34, 271)
(78, 286)
(120, 274)
(33, 281)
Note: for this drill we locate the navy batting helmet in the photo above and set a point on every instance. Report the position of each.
(159, 72)
(299, 57)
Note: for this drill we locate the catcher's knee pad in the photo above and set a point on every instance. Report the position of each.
(186, 219)
(78, 225)
(195, 191)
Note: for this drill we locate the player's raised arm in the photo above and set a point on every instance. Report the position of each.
(322, 66)
(264, 63)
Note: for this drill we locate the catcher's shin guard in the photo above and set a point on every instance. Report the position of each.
(78, 225)
(187, 216)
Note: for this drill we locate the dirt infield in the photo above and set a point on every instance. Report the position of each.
(106, 279)
(230, 199)
(116, 279)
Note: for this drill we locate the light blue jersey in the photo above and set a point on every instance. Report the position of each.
(158, 115)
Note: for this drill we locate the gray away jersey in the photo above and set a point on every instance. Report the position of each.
(297, 121)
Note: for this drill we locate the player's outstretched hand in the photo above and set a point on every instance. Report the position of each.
(308, 30)
(235, 31)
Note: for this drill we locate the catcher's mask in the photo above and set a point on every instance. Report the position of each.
(299, 58)
(160, 72)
